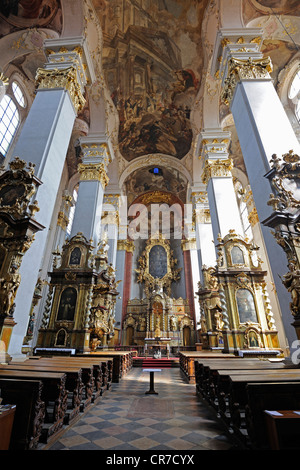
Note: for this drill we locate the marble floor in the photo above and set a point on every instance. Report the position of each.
(126, 418)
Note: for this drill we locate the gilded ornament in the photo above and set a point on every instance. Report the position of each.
(62, 78)
(3, 80)
(93, 172)
(217, 169)
(253, 217)
(239, 69)
(126, 245)
(165, 278)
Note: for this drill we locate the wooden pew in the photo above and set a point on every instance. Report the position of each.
(30, 411)
(267, 396)
(54, 394)
(234, 401)
(103, 368)
(206, 373)
(92, 373)
(120, 362)
(74, 384)
(187, 361)
(123, 362)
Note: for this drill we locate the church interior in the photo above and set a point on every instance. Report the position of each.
(149, 224)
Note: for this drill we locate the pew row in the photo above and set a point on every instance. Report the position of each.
(230, 386)
(122, 361)
(98, 372)
(54, 394)
(187, 361)
(80, 380)
(30, 411)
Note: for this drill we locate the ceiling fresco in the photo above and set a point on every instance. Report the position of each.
(155, 179)
(152, 64)
(25, 13)
(256, 8)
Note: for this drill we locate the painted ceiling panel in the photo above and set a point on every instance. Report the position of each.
(152, 64)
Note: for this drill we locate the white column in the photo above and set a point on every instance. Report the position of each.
(110, 222)
(120, 274)
(44, 141)
(92, 184)
(263, 130)
(224, 211)
(206, 254)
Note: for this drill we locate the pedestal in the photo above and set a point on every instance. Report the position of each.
(151, 390)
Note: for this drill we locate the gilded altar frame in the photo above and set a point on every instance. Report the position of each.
(144, 274)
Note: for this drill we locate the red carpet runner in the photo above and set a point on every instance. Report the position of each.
(151, 363)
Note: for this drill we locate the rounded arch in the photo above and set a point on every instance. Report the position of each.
(73, 18)
(154, 160)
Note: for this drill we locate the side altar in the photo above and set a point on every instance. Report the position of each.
(80, 307)
(236, 314)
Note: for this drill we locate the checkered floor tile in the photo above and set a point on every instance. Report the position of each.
(126, 418)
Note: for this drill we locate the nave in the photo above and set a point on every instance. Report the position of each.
(125, 418)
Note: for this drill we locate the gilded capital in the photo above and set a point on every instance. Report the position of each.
(244, 69)
(62, 78)
(217, 169)
(188, 244)
(201, 216)
(93, 172)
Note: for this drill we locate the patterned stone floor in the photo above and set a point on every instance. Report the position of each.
(125, 418)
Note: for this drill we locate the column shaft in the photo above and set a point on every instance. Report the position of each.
(256, 107)
(43, 141)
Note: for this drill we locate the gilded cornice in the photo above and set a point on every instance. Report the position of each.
(97, 150)
(217, 169)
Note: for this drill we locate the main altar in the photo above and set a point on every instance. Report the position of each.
(158, 322)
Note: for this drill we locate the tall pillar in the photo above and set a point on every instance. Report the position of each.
(110, 223)
(218, 179)
(93, 180)
(191, 272)
(120, 276)
(44, 141)
(263, 129)
(129, 249)
(206, 253)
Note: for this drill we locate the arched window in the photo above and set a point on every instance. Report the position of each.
(294, 93)
(10, 115)
(9, 121)
(18, 94)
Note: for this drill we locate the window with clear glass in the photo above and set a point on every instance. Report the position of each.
(11, 112)
(18, 94)
(9, 121)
